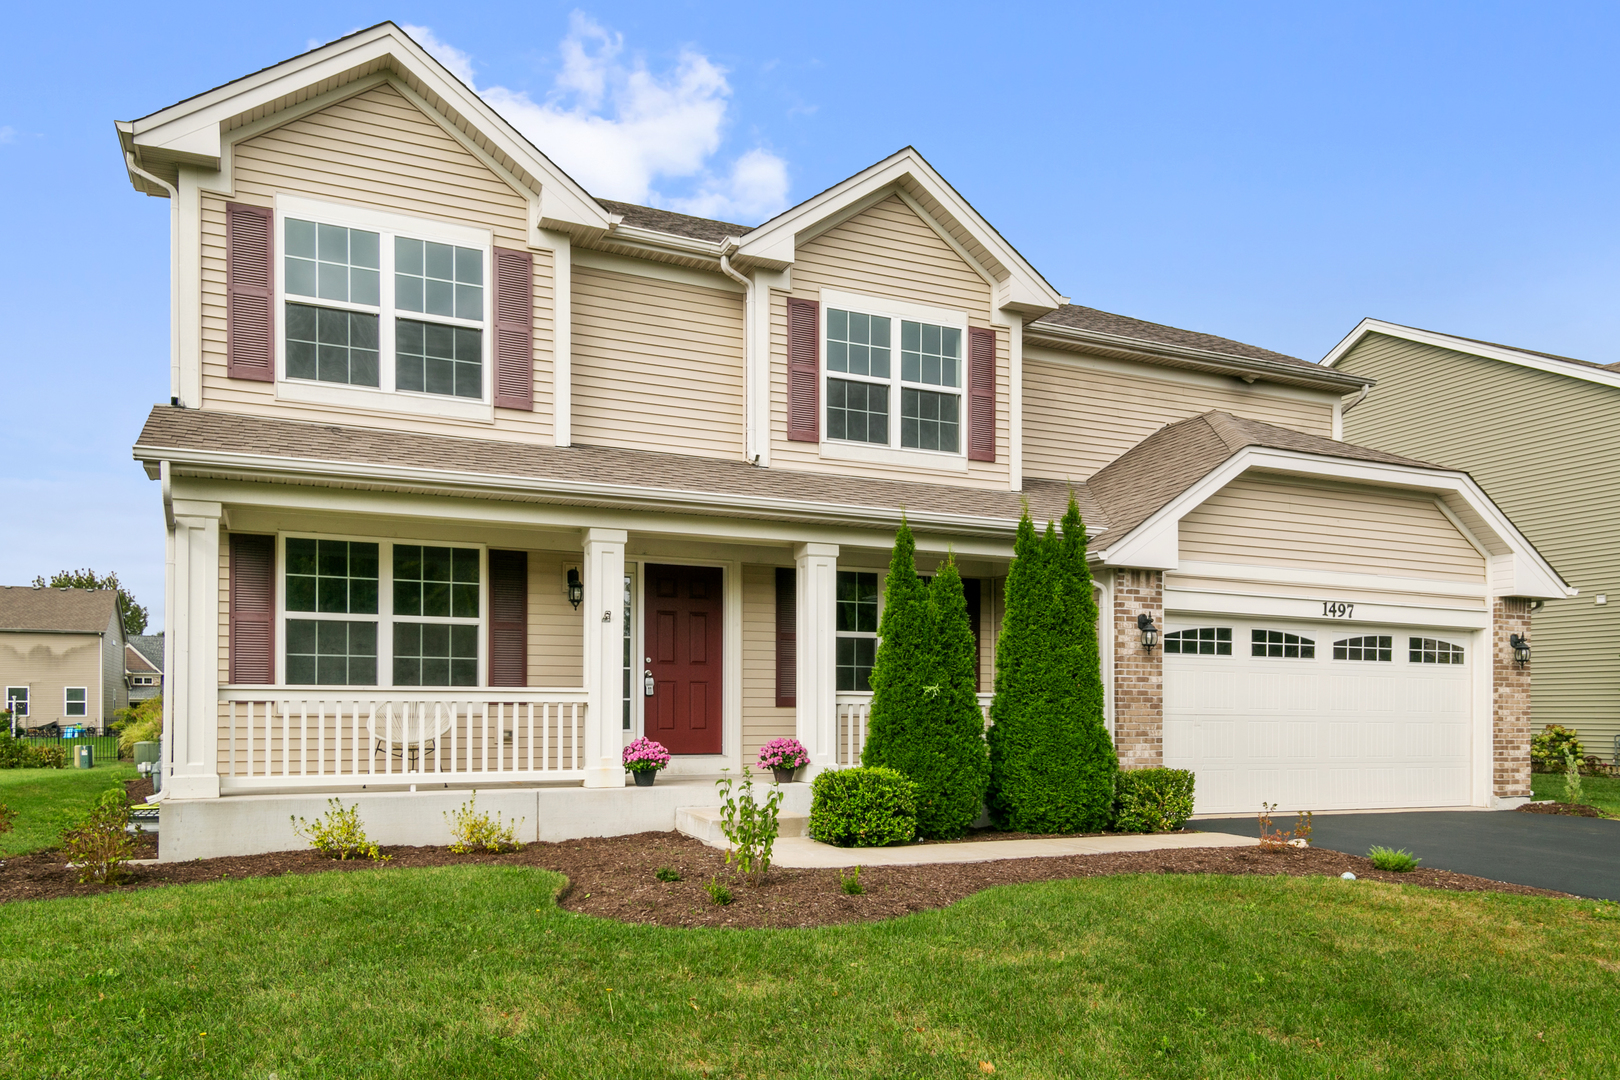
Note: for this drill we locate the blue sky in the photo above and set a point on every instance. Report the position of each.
(1271, 173)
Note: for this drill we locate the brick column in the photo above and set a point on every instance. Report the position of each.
(1510, 704)
(1138, 672)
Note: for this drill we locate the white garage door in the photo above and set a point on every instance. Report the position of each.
(1317, 717)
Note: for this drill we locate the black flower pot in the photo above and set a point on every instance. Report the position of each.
(645, 777)
(784, 776)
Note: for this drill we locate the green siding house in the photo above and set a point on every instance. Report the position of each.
(1541, 434)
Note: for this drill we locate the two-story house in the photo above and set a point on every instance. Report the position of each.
(471, 477)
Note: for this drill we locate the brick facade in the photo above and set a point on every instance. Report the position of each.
(1138, 672)
(1510, 705)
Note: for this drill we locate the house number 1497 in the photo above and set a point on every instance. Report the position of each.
(1337, 609)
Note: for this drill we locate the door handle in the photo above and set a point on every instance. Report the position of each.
(647, 684)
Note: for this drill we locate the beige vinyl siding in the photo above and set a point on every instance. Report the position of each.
(1078, 418)
(48, 664)
(1284, 522)
(378, 151)
(1546, 448)
(887, 251)
(762, 720)
(657, 365)
(556, 632)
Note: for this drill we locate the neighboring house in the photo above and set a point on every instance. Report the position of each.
(471, 478)
(62, 657)
(1539, 433)
(143, 667)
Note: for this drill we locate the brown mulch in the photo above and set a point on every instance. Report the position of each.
(613, 877)
(1567, 809)
(138, 790)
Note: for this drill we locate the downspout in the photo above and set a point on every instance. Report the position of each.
(1365, 390)
(174, 276)
(727, 246)
(168, 494)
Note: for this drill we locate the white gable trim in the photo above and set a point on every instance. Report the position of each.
(1514, 567)
(1507, 355)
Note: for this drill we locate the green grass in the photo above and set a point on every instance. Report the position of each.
(50, 800)
(1602, 792)
(466, 971)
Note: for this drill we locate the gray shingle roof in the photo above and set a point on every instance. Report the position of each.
(667, 221)
(87, 611)
(150, 646)
(1103, 322)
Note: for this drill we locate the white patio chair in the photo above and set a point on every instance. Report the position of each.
(409, 730)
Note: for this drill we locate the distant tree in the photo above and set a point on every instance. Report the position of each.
(135, 615)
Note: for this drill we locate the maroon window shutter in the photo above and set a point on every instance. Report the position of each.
(514, 330)
(253, 610)
(981, 394)
(508, 618)
(250, 292)
(787, 639)
(804, 370)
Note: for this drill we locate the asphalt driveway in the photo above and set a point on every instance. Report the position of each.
(1570, 854)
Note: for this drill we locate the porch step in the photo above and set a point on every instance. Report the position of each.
(703, 823)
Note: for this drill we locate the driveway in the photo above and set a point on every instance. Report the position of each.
(1570, 854)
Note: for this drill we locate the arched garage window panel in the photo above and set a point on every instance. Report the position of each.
(1370, 647)
(1204, 641)
(1277, 643)
(1428, 650)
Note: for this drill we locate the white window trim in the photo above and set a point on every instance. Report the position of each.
(384, 397)
(894, 453)
(85, 690)
(25, 697)
(838, 635)
(385, 606)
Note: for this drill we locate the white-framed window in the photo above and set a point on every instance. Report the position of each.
(632, 684)
(855, 627)
(75, 701)
(17, 701)
(1375, 647)
(1430, 650)
(1275, 643)
(383, 310)
(894, 377)
(384, 613)
(1201, 641)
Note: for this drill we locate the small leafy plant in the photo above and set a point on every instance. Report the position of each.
(338, 833)
(1153, 800)
(472, 831)
(101, 846)
(667, 874)
(1274, 839)
(1572, 777)
(645, 755)
(751, 826)
(8, 817)
(718, 892)
(1549, 745)
(851, 882)
(1396, 861)
(22, 754)
(783, 754)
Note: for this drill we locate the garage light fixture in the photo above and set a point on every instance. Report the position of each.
(1150, 633)
(1521, 648)
(576, 588)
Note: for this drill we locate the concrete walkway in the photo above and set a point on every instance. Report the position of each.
(801, 851)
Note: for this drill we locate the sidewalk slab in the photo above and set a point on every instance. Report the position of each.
(803, 852)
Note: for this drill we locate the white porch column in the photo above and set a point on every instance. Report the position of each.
(191, 683)
(816, 588)
(604, 655)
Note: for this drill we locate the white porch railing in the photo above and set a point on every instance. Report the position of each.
(853, 712)
(292, 736)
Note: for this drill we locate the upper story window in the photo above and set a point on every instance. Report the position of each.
(392, 309)
(915, 404)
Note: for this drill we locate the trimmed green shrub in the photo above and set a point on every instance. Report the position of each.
(865, 807)
(1052, 764)
(926, 723)
(1153, 800)
(1548, 746)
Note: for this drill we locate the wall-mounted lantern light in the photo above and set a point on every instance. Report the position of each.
(1150, 633)
(576, 587)
(1521, 649)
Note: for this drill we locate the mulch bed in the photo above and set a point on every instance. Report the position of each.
(1567, 809)
(613, 877)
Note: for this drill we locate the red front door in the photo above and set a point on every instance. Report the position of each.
(683, 655)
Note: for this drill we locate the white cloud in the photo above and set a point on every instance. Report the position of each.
(626, 132)
(7, 134)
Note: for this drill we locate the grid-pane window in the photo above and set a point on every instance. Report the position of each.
(439, 279)
(329, 652)
(1376, 647)
(1203, 641)
(330, 262)
(17, 701)
(437, 582)
(930, 354)
(856, 623)
(858, 344)
(858, 412)
(865, 387)
(432, 358)
(74, 701)
(929, 421)
(1434, 651)
(856, 656)
(435, 654)
(1276, 643)
(331, 576)
(329, 345)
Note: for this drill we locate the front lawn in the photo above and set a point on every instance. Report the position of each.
(1602, 792)
(50, 800)
(472, 971)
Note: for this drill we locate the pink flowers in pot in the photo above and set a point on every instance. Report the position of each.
(783, 754)
(644, 755)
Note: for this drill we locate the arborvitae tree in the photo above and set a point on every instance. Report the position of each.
(1052, 765)
(925, 720)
